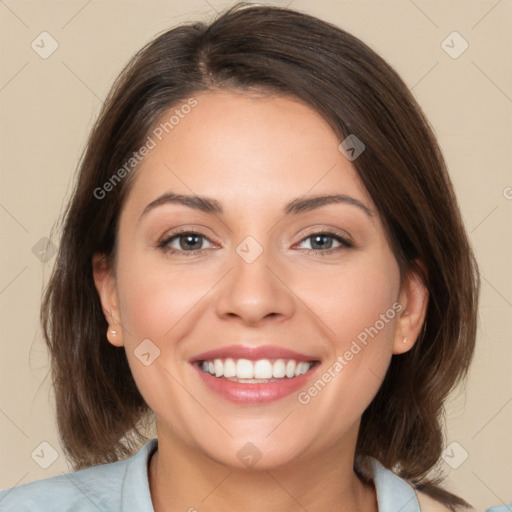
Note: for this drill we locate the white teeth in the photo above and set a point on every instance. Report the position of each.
(290, 369)
(262, 369)
(278, 369)
(301, 368)
(244, 369)
(217, 364)
(229, 368)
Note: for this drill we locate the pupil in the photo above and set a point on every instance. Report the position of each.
(321, 237)
(190, 240)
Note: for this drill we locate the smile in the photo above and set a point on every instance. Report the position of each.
(242, 381)
(259, 371)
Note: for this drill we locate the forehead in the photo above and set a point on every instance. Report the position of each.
(244, 150)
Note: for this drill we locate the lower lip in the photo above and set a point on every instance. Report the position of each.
(239, 392)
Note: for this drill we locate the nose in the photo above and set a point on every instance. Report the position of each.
(257, 291)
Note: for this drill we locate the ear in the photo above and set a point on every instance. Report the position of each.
(414, 301)
(105, 283)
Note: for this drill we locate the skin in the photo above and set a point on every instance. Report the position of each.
(254, 155)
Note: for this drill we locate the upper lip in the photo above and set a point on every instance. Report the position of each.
(252, 353)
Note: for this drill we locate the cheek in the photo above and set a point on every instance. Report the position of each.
(153, 299)
(156, 305)
(356, 300)
(358, 304)
(159, 307)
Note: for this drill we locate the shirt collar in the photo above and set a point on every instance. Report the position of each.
(393, 493)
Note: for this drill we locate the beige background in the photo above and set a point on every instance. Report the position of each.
(47, 108)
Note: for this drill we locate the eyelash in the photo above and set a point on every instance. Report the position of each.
(163, 245)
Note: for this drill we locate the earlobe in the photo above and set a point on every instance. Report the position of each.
(105, 284)
(414, 300)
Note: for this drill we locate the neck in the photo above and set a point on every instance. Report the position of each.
(182, 479)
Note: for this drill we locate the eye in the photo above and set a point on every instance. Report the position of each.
(190, 243)
(322, 243)
(184, 242)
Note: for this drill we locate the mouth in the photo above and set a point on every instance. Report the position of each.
(255, 372)
(254, 375)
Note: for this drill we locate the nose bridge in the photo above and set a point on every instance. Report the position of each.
(252, 290)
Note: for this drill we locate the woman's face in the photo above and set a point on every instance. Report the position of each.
(319, 280)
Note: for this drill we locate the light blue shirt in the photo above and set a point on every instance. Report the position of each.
(124, 487)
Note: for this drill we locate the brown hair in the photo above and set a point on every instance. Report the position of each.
(100, 411)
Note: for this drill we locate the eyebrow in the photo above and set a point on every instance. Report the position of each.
(294, 207)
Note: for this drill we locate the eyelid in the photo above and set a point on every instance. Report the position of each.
(164, 240)
(343, 237)
(344, 241)
(328, 230)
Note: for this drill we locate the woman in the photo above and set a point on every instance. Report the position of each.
(264, 254)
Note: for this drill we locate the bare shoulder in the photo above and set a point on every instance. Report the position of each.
(428, 504)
